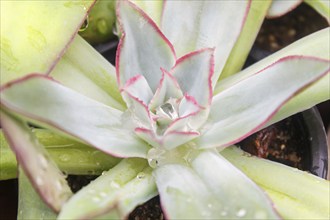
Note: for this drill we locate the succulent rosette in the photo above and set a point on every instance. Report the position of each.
(168, 115)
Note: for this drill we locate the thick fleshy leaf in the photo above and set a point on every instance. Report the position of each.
(308, 201)
(207, 190)
(194, 73)
(246, 106)
(66, 111)
(120, 189)
(244, 200)
(168, 88)
(143, 49)
(30, 206)
(31, 41)
(281, 7)
(71, 157)
(138, 87)
(321, 6)
(193, 25)
(314, 45)
(84, 70)
(140, 115)
(43, 173)
(318, 45)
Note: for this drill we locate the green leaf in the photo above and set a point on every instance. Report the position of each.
(84, 70)
(296, 194)
(70, 156)
(66, 111)
(193, 25)
(243, 45)
(8, 163)
(210, 189)
(120, 190)
(35, 34)
(318, 45)
(143, 49)
(315, 45)
(247, 106)
(30, 205)
(43, 173)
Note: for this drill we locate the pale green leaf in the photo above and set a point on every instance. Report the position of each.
(119, 190)
(194, 72)
(246, 106)
(243, 45)
(318, 45)
(70, 156)
(34, 34)
(54, 106)
(281, 7)
(143, 49)
(193, 25)
(83, 69)
(211, 188)
(296, 194)
(47, 179)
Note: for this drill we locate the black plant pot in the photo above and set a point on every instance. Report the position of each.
(318, 142)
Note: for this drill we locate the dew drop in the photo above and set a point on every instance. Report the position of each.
(65, 157)
(43, 161)
(140, 175)
(114, 184)
(115, 30)
(96, 199)
(223, 213)
(153, 163)
(98, 164)
(91, 191)
(103, 194)
(39, 181)
(84, 26)
(241, 213)
(59, 185)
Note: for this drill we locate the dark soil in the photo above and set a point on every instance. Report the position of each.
(280, 32)
(286, 142)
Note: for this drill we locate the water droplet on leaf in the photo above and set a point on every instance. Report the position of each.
(241, 213)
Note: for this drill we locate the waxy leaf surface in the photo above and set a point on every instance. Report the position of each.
(211, 188)
(43, 173)
(246, 106)
(193, 25)
(122, 188)
(67, 111)
(143, 49)
(30, 43)
(84, 70)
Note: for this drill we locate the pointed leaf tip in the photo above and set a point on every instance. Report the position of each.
(150, 47)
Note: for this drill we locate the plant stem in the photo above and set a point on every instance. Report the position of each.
(72, 157)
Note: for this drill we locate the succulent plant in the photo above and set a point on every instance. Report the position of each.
(178, 103)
